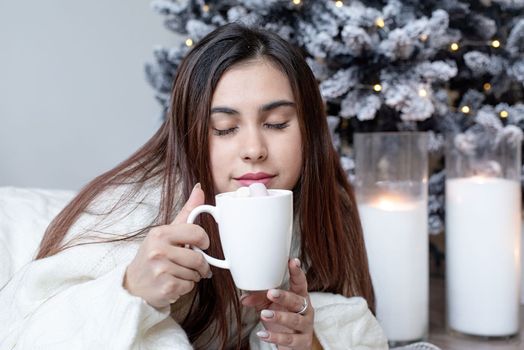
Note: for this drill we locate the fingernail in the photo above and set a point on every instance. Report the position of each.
(274, 293)
(262, 334)
(297, 262)
(267, 313)
(210, 274)
(197, 186)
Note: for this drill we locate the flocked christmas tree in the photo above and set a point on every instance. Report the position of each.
(444, 67)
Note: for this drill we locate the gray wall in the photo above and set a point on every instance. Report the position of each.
(73, 97)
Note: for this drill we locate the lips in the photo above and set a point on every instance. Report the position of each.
(250, 178)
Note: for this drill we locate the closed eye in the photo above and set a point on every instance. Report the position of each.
(278, 126)
(224, 132)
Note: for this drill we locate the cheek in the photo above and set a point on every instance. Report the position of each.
(293, 161)
(220, 156)
(221, 152)
(214, 159)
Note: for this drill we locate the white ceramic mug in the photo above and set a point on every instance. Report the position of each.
(255, 233)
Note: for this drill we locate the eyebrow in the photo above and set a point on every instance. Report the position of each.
(264, 108)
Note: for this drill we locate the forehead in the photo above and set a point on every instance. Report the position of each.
(257, 81)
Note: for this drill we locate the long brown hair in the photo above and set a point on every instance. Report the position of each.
(332, 244)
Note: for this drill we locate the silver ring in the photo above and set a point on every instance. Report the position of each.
(304, 308)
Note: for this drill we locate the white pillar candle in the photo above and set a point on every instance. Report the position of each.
(395, 233)
(483, 255)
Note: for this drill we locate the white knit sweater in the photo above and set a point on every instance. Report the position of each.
(75, 299)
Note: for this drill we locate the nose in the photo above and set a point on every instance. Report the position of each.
(254, 146)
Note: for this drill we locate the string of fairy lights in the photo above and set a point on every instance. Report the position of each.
(424, 90)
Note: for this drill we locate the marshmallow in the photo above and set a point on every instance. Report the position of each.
(258, 189)
(242, 192)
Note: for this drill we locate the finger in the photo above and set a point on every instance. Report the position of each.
(180, 272)
(258, 300)
(297, 278)
(181, 235)
(290, 320)
(190, 259)
(301, 341)
(288, 300)
(195, 199)
(172, 288)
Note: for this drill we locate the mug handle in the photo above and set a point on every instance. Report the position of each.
(224, 264)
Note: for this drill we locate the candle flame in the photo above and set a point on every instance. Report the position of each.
(480, 179)
(393, 202)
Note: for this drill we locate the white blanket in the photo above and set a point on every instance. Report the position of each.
(24, 215)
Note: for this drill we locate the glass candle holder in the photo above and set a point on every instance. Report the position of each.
(483, 218)
(391, 190)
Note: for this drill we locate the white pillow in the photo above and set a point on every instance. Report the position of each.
(25, 213)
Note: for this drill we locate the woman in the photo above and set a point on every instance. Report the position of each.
(113, 264)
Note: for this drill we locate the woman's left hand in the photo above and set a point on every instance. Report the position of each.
(287, 315)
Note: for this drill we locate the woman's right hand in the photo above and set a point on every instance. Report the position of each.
(163, 269)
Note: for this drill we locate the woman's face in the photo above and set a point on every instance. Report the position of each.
(254, 133)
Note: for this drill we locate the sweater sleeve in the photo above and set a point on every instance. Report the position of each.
(340, 323)
(75, 300)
